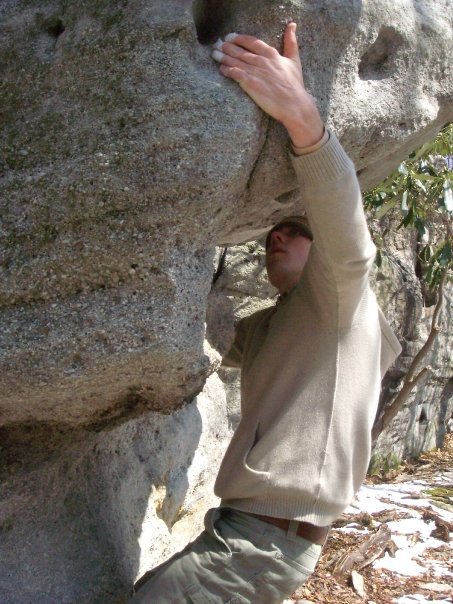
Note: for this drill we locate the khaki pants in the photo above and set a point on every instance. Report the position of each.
(237, 559)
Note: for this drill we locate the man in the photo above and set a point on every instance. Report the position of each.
(310, 368)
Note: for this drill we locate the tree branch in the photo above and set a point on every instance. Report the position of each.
(434, 332)
(390, 411)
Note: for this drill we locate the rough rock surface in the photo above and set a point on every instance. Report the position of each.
(83, 524)
(124, 159)
(421, 424)
(126, 156)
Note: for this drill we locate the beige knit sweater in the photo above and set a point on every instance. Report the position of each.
(311, 366)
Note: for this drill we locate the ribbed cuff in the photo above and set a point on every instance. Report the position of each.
(326, 164)
(312, 148)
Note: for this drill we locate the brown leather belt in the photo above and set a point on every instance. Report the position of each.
(315, 534)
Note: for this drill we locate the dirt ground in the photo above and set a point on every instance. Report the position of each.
(347, 574)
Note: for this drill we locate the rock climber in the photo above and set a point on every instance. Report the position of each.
(311, 368)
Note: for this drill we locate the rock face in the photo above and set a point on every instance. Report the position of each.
(422, 422)
(82, 524)
(125, 158)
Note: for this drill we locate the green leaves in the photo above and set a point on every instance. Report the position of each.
(420, 191)
(385, 207)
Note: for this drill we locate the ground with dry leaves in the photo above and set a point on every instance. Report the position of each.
(347, 568)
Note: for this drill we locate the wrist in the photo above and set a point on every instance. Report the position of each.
(312, 148)
(305, 135)
(304, 126)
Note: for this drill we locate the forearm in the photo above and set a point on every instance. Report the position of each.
(305, 150)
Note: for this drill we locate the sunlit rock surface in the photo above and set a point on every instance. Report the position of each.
(126, 157)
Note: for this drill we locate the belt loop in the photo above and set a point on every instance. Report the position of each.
(291, 533)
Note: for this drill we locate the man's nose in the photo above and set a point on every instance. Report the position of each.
(277, 236)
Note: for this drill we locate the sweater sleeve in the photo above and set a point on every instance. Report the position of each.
(342, 253)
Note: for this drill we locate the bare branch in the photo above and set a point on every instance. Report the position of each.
(411, 380)
(391, 411)
(434, 332)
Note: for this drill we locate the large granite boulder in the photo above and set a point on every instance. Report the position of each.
(124, 159)
(126, 156)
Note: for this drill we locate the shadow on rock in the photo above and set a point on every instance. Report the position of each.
(84, 513)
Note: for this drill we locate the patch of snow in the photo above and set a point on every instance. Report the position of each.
(419, 598)
(412, 536)
(411, 526)
(367, 500)
(353, 528)
(402, 564)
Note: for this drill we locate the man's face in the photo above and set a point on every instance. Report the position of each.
(286, 256)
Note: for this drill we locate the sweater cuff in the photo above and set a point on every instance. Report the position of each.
(327, 163)
(312, 148)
